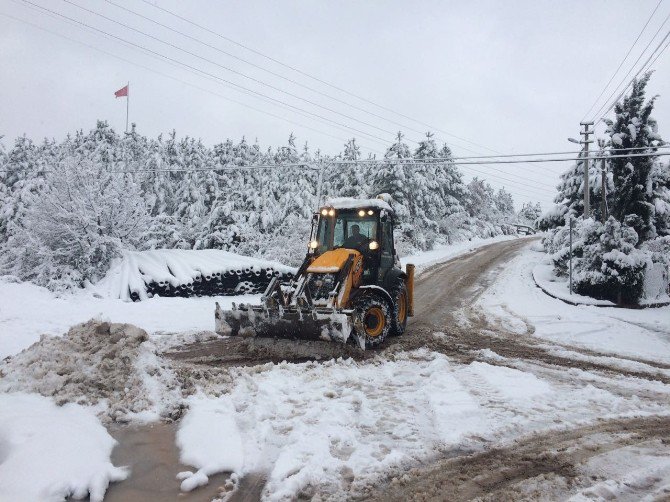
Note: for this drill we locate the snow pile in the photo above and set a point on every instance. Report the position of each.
(96, 362)
(48, 453)
(177, 272)
(317, 429)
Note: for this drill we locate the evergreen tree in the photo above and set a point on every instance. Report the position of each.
(632, 128)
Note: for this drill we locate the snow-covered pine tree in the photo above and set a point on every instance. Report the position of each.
(481, 201)
(660, 189)
(632, 201)
(504, 203)
(25, 166)
(569, 202)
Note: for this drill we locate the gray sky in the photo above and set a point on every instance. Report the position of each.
(512, 76)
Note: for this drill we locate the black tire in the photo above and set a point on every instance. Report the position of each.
(400, 309)
(372, 319)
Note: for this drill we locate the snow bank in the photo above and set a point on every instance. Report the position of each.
(114, 365)
(48, 453)
(177, 272)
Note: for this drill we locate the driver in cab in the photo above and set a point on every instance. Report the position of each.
(356, 239)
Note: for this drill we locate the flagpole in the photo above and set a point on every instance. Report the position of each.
(127, 105)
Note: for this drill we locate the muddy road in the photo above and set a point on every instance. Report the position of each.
(445, 294)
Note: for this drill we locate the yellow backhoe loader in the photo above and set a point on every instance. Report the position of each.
(350, 287)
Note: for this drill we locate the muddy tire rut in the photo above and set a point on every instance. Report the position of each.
(499, 473)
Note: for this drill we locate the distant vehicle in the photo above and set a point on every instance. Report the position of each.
(350, 286)
(524, 229)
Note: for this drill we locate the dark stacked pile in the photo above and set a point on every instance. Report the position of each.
(247, 281)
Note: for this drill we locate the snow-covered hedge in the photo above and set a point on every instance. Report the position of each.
(607, 265)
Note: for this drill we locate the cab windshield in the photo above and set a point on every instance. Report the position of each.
(346, 230)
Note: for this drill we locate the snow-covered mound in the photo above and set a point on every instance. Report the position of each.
(177, 272)
(96, 363)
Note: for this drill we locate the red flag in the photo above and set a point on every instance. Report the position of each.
(121, 92)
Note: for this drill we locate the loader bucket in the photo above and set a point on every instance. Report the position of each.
(291, 323)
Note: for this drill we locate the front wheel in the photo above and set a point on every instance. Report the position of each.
(372, 319)
(400, 309)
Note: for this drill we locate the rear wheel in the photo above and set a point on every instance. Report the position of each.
(372, 321)
(400, 309)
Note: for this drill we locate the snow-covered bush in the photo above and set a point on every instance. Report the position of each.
(606, 263)
(75, 225)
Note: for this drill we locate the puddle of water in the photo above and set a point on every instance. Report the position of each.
(153, 457)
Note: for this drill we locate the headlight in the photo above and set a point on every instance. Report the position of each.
(374, 245)
(331, 212)
(324, 212)
(361, 213)
(313, 244)
(371, 212)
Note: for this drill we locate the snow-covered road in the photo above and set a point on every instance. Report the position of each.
(497, 390)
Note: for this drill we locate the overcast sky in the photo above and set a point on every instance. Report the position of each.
(513, 77)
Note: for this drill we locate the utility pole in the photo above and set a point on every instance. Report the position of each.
(603, 191)
(586, 133)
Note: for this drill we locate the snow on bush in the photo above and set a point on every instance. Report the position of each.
(114, 365)
(606, 263)
(75, 225)
(49, 453)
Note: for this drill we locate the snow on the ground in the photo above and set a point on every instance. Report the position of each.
(520, 306)
(639, 472)
(209, 440)
(114, 366)
(48, 453)
(425, 259)
(323, 427)
(28, 311)
(559, 287)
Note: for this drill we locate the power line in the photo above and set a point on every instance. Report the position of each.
(632, 68)
(193, 68)
(317, 79)
(275, 74)
(623, 60)
(644, 66)
(228, 39)
(232, 70)
(185, 82)
(226, 68)
(433, 160)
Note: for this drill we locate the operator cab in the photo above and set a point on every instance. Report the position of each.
(367, 228)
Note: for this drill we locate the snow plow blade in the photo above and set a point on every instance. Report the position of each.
(289, 322)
